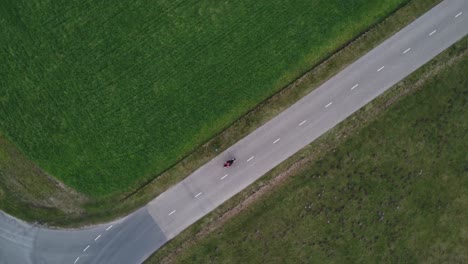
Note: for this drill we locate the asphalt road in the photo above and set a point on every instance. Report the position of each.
(133, 238)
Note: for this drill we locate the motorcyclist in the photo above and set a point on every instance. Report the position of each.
(228, 163)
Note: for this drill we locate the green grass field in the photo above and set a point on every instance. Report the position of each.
(395, 192)
(107, 95)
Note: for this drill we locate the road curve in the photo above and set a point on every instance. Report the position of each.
(133, 238)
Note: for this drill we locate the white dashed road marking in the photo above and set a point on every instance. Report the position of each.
(356, 85)
(198, 194)
(97, 237)
(86, 248)
(430, 34)
(172, 212)
(224, 176)
(251, 158)
(330, 103)
(459, 14)
(276, 140)
(301, 123)
(408, 49)
(107, 229)
(381, 68)
(76, 260)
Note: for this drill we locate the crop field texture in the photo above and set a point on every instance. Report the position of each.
(106, 95)
(395, 192)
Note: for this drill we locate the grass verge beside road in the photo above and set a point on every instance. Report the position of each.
(383, 186)
(29, 193)
(107, 208)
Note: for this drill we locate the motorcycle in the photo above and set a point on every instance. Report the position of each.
(228, 163)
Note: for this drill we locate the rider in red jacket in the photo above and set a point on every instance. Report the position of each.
(228, 163)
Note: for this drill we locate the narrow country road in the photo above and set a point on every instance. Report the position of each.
(135, 237)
